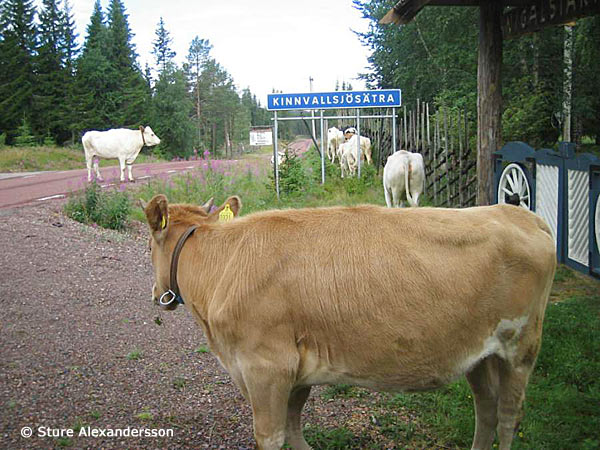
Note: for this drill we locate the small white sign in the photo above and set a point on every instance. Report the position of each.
(261, 137)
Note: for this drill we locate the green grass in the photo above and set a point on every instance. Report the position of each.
(134, 355)
(335, 439)
(562, 406)
(145, 416)
(105, 208)
(33, 159)
(252, 181)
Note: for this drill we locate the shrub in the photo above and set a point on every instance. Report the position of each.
(106, 209)
(24, 138)
(293, 179)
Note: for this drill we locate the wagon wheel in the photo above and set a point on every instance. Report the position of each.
(514, 186)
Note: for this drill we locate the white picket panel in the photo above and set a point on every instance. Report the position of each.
(578, 216)
(546, 196)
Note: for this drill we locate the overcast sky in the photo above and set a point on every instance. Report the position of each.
(263, 44)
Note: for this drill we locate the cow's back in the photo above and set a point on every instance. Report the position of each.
(398, 304)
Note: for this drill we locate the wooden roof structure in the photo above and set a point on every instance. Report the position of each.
(498, 20)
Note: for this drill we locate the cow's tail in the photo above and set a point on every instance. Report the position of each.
(407, 176)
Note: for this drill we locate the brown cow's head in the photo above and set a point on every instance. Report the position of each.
(167, 224)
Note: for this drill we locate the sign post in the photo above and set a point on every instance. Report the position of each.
(382, 98)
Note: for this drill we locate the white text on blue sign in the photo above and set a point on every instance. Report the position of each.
(384, 98)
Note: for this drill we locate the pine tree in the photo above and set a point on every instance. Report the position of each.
(129, 93)
(93, 77)
(196, 58)
(17, 49)
(50, 87)
(171, 102)
(171, 113)
(70, 53)
(161, 47)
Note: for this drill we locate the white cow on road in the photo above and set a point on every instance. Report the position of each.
(335, 138)
(120, 143)
(403, 178)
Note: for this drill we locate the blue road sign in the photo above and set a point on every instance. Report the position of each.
(335, 100)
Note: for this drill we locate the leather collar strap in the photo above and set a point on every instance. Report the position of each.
(173, 293)
(143, 140)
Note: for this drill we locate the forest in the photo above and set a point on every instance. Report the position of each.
(53, 89)
(434, 59)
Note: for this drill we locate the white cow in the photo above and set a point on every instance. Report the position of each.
(365, 144)
(281, 158)
(120, 143)
(349, 154)
(403, 178)
(335, 138)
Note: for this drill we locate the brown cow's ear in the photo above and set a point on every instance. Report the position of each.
(206, 207)
(157, 215)
(143, 204)
(227, 210)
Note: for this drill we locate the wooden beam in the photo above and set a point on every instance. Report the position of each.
(489, 96)
(405, 10)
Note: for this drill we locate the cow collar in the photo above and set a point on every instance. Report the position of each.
(143, 140)
(173, 295)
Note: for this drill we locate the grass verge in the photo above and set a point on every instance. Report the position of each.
(33, 159)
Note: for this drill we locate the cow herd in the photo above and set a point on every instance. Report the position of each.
(403, 174)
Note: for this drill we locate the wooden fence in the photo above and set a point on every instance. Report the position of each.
(443, 138)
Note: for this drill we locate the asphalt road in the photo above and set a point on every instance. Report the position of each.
(31, 187)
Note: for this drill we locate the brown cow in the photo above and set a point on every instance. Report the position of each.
(416, 298)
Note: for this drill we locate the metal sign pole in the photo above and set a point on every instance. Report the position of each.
(358, 140)
(322, 151)
(275, 155)
(394, 130)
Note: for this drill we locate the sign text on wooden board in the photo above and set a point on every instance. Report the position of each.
(543, 13)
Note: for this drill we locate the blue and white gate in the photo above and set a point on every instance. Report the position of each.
(561, 187)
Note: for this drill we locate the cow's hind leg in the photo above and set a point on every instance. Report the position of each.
(388, 197)
(293, 430)
(89, 160)
(97, 169)
(483, 380)
(514, 376)
(122, 167)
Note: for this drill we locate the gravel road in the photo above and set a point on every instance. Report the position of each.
(80, 348)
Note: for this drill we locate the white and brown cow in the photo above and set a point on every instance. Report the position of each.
(120, 143)
(416, 298)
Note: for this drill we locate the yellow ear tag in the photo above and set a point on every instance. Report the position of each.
(164, 222)
(226, 215)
